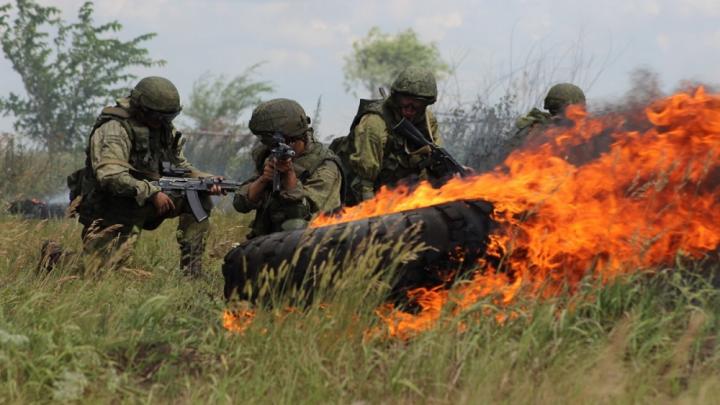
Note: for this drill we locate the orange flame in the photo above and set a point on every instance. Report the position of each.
(238, 321)
(648, 197)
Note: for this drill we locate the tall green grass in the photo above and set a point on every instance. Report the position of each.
(147, 334)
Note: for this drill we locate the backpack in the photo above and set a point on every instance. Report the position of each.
(343, 147)
(80, 182)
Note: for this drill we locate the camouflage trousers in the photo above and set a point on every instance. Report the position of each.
(108, 243)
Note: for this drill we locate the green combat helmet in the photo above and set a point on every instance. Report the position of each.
(416, 82)
(279, 115)
(156, 94)
(562, 95)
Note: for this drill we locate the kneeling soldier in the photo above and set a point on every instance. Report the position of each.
(296, 175)
(127, 148)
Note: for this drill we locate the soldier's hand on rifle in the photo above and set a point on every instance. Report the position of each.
(284, 166)
(163, 204)
(215, 189)
(257, 187)
(268, 171)
(287, 171)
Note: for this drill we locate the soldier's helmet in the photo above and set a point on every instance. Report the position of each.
(417, 82)
(279, 115)
(156, 94)
(562, 95)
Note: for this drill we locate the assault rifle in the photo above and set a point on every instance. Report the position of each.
(437, 154)
(191, 186)
(279, 151)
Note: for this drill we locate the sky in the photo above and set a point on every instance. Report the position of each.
(302, 44)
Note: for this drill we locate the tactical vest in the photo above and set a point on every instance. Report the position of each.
(399, 163)
(145, 163)
(275, 212)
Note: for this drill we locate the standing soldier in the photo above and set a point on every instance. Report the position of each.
(374, 154)
(126, 150)
(310, 181)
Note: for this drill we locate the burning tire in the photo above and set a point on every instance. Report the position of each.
(457, 234)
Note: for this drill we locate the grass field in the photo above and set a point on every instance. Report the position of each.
(147, 334)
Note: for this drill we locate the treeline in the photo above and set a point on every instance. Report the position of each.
(70, 69)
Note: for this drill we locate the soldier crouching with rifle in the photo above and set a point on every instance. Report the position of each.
(122, 189)
(396, 139)
(296, 175)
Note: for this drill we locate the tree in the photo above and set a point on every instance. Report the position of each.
(218, 142)
(379, 57)
(69, 70)
(217, 104)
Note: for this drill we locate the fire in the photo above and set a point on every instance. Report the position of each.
(238, 321)
(649, 196)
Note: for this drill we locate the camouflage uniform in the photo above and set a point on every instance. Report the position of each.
(531, 126)
(122, 157)
(379, 156)
(558, 98)
(534, 117)
(317, 169)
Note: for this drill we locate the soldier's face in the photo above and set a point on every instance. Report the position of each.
(154, 124)
(411, 108)
(156, 119)
(298, 145)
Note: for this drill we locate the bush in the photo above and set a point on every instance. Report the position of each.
(482, 136)
(222, 154)
(29, 172)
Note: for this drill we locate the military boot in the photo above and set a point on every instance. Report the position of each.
(52, 254)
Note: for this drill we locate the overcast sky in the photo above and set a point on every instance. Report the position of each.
(303, 43)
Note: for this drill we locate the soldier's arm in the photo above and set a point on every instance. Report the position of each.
(370, 137)
(534, 117)
(110, 148)
(320, 192)
(241, 200)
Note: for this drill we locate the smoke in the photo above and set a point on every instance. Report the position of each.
(485, 134)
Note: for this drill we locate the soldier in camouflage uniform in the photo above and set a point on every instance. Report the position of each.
(311, 181)
(126, 149)
(536, 122)
(558, 98)
(373, 153)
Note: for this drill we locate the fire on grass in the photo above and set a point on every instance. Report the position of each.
(635, 206)
(650, 195)
(238, 320)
